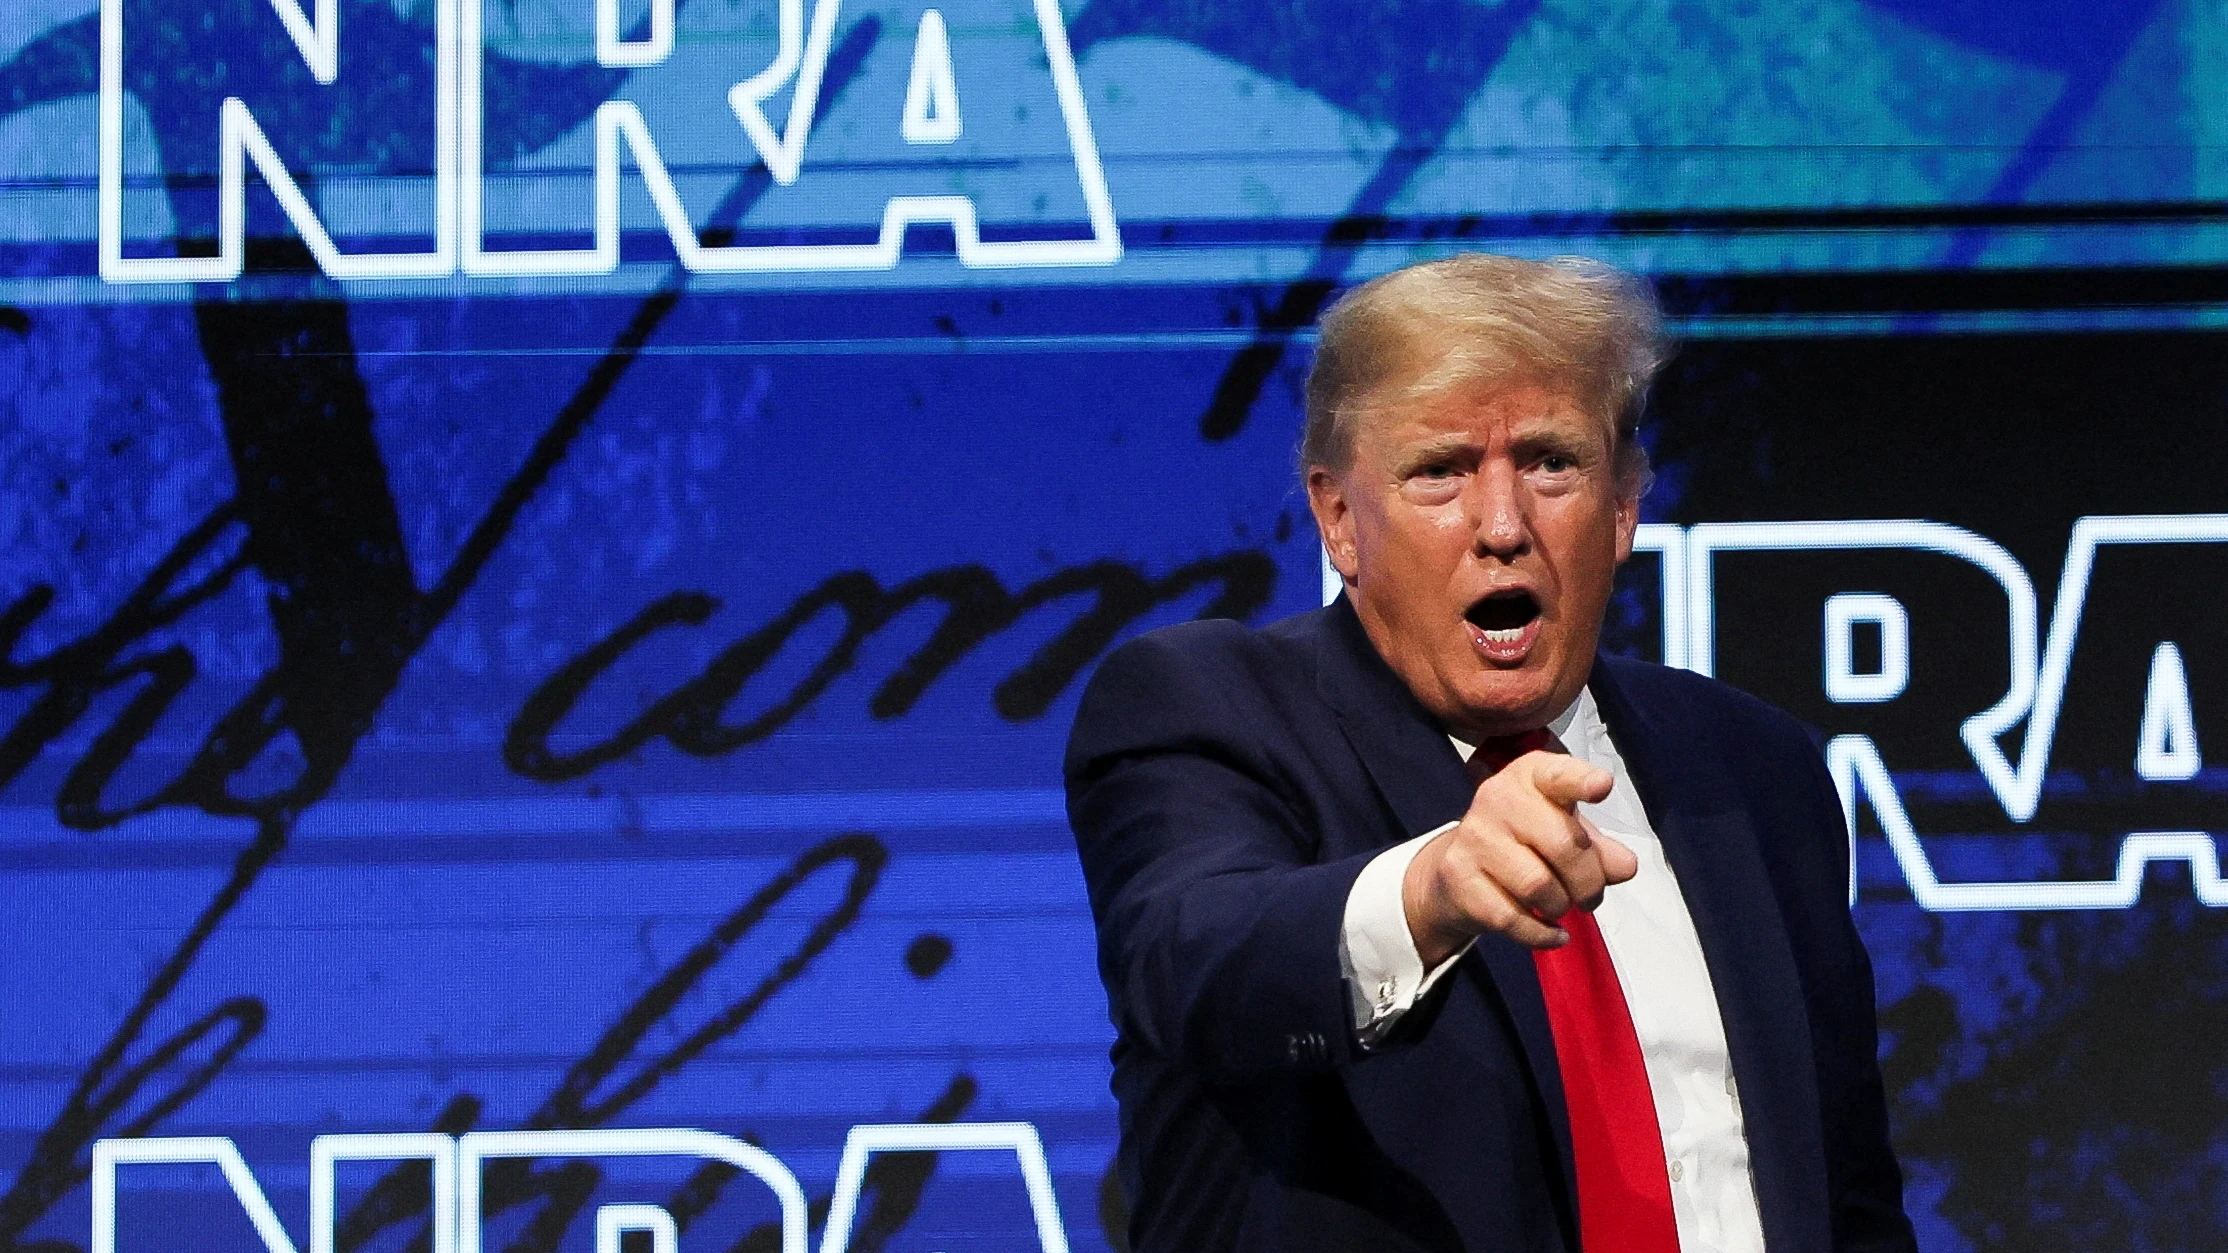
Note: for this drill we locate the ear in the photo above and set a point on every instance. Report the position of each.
(1334, 520)
(1628, 523)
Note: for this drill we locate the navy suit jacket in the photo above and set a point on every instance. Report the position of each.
(1226, 785)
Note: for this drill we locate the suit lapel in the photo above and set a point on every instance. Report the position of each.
(1714, 851)
(1712, 847)
(1407, 755)
(1421, 777)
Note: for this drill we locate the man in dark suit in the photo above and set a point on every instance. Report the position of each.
(1425, 927)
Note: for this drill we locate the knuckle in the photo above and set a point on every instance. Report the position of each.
(1490, 847)
(1498, 912)
(1555, 844)
(1462, 896)
(1548, 902)
(1477, 829)
(1459, 864)
(1529, 836)
(1529, 882)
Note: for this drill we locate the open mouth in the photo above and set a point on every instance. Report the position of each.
(1504, 625)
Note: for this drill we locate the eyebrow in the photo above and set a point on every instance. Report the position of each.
(1554, 438)
(1436, 448)
(1550, 438)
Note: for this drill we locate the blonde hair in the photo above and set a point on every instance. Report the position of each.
(1568, 323)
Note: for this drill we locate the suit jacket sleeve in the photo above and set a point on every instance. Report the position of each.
(1218, 931)
(1864, 1181)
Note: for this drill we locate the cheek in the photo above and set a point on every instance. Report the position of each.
(1399, 523)
(1582, 538)
(1445, 519)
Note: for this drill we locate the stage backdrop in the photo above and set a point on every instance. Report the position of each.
(548, 549)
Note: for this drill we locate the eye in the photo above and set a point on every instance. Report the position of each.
(1558, 463)
(1435, 482)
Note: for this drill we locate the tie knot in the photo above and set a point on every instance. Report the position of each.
(1498, 751)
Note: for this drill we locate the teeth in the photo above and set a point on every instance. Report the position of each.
(1510, 636)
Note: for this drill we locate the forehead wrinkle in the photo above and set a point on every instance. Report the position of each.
(1432, 446)
(1437, 441)
(1551, 430)
(1560, 417)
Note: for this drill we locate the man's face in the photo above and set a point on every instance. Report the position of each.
(1478, 531)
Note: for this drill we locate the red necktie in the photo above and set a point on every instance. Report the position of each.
(1624, 1195)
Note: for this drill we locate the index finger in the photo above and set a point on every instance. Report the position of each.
(1567, 781)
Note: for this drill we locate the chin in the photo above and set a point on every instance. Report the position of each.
(1507, 702)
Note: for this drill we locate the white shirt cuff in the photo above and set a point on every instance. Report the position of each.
(1384, 973)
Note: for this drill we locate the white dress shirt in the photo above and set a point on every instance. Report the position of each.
(1667, 988)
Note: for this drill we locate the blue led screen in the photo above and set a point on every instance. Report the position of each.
(548, 549)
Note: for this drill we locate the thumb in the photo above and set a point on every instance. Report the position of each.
(1618, 863)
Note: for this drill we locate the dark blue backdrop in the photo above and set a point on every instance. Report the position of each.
(473, 661)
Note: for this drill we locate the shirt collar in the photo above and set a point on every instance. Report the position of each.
(1577, 725)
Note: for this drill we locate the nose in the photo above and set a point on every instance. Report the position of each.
(1498, 517)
